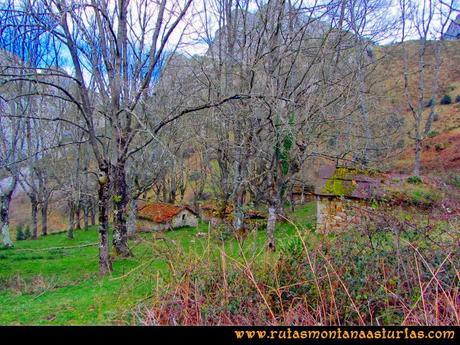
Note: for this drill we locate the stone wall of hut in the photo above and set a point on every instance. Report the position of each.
(183, 218)
(336, 214)
(148, 225)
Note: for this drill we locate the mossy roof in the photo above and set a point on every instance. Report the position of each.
(349, 182)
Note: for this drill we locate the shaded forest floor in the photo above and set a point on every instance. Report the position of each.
(54, 280)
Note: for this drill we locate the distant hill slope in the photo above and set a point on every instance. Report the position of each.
(441, 150)
(393, 66)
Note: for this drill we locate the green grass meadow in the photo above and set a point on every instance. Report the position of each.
(55, 280)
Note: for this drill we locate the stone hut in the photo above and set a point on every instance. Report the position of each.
(161, 216)
(342, 196)
(209, 211)
(213, 213)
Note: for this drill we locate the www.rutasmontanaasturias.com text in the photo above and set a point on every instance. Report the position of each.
(339, 333)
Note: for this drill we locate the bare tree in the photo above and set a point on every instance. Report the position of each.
(120, 45)
(426, 20)
(289, 64)
(10, 152)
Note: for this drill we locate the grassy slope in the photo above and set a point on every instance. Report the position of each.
(42, 285)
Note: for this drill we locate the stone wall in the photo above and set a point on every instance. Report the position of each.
(148, 225)
(337, 214)
(300, 200)
(183, 218)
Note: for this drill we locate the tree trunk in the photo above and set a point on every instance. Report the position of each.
(78, 217)
(238, 214)
(291, 199)
(34, 209)
(275, 209)
(93, 212)
(271, 224)
(44, 211)
(368, 144)
(238, 192)
(302, 196)
(173, 188)
(280, 213)
(172, 196)
(434, 87)
(182, 189)
(5, 219)
(238, 223)
(70, 229)
(105, 266)
(418, 152)
(120, 202)
(85, 216)
(132, 216)
(164, 192)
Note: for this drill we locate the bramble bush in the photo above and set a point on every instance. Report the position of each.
(414, 179)
(446, 99)
(19, 233)
(27, 233)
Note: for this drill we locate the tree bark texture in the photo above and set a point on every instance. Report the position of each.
(44, 214)
(34, 214)
(70, 229)
(132, 216)
(105, 265)
(5, 219)
(120, 201)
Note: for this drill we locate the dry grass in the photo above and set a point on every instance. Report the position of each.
(339, 280)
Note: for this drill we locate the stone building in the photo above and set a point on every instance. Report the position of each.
(215, 215)
(161, 216)
(343, 195)
(210, 211)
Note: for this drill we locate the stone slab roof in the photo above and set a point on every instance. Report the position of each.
(350, 182)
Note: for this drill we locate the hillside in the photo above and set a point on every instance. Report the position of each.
(441, 148)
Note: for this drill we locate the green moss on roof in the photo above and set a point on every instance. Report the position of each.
(340, 183)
